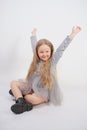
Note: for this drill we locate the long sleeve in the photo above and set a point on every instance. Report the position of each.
(33, 42)
(59, 52)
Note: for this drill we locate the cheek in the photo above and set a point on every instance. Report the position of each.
(39, 55)
(50, 54)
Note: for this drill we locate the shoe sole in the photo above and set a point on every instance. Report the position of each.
(20, 108)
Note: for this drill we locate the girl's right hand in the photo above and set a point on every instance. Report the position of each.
(34, 32)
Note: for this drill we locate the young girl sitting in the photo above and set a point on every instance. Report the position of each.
(40, 85)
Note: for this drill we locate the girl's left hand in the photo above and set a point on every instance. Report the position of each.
(76, 29)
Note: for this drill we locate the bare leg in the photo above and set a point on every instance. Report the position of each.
(21, 105)
(15, 89)
(34, 99)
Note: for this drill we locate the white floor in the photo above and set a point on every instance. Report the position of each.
(71, 115)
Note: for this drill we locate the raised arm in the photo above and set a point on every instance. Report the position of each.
(33, 39)
(64, 44)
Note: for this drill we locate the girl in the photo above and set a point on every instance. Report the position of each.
(41, 84)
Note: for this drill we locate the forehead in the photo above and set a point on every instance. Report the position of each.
(44, 47)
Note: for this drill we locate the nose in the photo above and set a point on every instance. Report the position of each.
(44, 54)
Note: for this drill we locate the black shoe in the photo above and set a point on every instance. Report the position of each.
(10, 92)
(21, 106)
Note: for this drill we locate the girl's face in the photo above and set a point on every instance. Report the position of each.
(44, 52)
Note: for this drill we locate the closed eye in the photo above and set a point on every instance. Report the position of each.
(47, 51)
(41, 52)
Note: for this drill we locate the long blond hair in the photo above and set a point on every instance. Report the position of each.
(46, 76)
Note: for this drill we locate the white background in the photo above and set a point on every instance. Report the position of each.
(54, 20)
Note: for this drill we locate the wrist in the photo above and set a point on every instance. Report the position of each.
(33, 33)
(72, 35)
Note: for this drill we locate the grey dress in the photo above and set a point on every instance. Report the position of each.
(53, 95)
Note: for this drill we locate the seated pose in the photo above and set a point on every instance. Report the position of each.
(40, 84)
